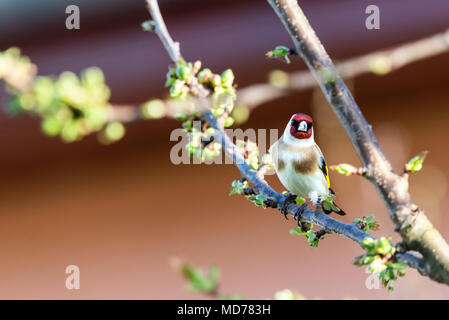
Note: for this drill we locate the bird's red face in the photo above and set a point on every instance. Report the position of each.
(301, 126)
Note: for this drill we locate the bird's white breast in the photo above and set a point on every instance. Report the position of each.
(310, 184)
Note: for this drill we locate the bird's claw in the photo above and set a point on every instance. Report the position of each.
(290, 198)
(301, 208)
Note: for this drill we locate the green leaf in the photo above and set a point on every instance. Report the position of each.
(377, 266)
(227, 78)
(181, 116)
(366, 223)
(368, 243)
(344, 169)
(205, 76)
(184, 70)
(187, 125)
(384, 246)
(312, 239)
(259, 200)
(176, 88)
(279, 51)
(237, 187)
(148, 25)
(214, 275)
(51, 126)
(415, 163)
(229, 122)
(297, 231)
(216, 81)
(326, 205)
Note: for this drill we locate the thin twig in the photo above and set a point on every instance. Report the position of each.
(381, 62)
(161, 30)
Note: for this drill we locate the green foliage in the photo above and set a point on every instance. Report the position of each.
(183, 79)
(415, 163)
(366, 223)
(201, 144)
(16, 70)
(328, 204)
(237, 186)
(345, 169)
(241, 185)
(240, 113)
(148, 25)
(381, 260)
(153, 109)
(205, 76)
(200, 281)
(250, 152)
(309, 234)
(204, 281)
(70, 106)
(227, 78)
(259, 200)
(279, 52)
(229, 122)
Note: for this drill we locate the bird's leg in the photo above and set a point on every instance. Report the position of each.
(302, 225)
(319, 204)
(290, 198)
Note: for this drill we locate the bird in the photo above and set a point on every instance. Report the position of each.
(300, 165)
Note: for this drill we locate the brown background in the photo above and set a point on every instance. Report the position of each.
(122, 212)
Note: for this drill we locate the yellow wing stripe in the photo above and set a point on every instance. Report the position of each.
(327, 176)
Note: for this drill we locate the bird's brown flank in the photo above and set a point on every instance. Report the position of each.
(309, 161)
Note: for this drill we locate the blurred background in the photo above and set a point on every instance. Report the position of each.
(121, 212)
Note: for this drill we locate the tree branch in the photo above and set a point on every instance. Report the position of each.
(161, 30)
(379, 62)
(416, 230)
(260, 186)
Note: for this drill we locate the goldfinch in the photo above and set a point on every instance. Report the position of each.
(300, 165)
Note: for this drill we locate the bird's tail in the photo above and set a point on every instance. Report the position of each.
(331, 206)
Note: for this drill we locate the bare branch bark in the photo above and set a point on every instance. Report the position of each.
(161, 30)
(410, 221)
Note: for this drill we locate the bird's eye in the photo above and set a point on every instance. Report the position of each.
(302, 126)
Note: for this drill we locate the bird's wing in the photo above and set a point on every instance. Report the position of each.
(322, 165)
